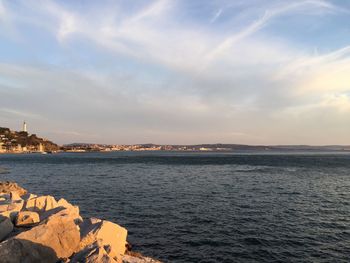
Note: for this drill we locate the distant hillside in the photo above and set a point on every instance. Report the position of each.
(243, 147)
(14, 141)
(204, 147)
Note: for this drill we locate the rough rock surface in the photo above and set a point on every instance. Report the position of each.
(41, 203)
(28, 196)
(6, 227)
(109, 233)
(8, 187)
(14, 196)
(26, 218)
(59, 232)
(49, 231)
(96, 253)
(18, 251)
(10, 208)
(139, 259)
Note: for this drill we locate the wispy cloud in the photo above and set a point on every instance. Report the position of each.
(216, 15)
(263, 21)
(156, 9)
(2, 10)
(165, 72)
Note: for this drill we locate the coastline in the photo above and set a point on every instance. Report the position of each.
(41, 229)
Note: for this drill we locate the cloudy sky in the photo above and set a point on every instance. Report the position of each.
(177, 71)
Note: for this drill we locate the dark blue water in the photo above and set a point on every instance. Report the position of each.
(195, 207)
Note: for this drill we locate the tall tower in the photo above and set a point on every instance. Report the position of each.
(24, 126)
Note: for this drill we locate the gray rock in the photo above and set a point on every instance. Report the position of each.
(6, 227)
(25, 251)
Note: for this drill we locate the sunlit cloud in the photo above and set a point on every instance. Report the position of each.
(166, 71)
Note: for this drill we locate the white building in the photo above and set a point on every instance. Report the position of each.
(24, 126)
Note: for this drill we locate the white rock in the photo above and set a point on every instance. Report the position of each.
(27, 218)
(14, 196)
(3, 207)
(13, 206)
(133, 259)
(95, 253)
(107, 232)
(41, 203)
(7, 187)
(28, 196)
(57, 237)
(73, 212)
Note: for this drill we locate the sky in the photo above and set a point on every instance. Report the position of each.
(177, 71)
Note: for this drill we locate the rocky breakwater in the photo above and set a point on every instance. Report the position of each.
(41, 229)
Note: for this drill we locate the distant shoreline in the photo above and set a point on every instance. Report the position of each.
(274, 151)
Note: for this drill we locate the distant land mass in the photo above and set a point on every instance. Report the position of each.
(201, 147)
(22, 142)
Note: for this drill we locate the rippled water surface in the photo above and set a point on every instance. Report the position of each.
(206, 207)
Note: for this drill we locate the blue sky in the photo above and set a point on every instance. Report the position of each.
(177, 71)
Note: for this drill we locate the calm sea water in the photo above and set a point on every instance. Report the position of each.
(206, 207)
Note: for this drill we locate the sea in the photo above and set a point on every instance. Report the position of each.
(206, 206)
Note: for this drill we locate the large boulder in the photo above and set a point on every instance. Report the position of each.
(41, 203)
(69, 210)
(8, 187)
(49, 231)
(28, 196)
(8, 214)
(138, 259)
(10, 209)
(108, 233)
(4, 198)
(96, 253)
(15, 206)
(56, 237)
(64, 203)
(14, 196)
(6, 227)
(24, 251)
(27, 218)
(75, 209)
(3, 207)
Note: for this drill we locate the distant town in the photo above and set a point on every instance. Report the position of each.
(24, 142)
